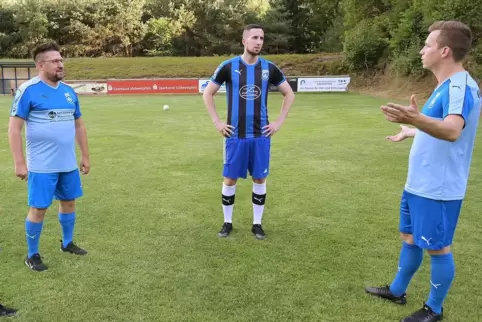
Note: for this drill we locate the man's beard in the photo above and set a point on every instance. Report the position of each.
(252, 52)
(56, 77)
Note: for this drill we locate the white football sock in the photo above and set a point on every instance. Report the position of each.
(259, 199)
(228, 202)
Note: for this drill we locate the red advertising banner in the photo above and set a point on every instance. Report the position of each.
(153, 86)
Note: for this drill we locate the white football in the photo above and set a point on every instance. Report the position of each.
(166, 107)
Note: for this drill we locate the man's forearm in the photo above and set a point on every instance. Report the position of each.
(211, 107)
(15, 141)
(286, 106)
(81, 136)
(436, 128)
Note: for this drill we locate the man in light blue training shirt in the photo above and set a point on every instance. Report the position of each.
(438, 168)
(51, 111)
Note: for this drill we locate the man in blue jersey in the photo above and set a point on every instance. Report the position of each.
(247, 131)
(438, 168)
(51, 111)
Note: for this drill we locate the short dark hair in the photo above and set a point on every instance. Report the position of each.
(45, 47)
(455, 35)
(253, 26)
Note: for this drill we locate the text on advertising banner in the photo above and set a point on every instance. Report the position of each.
(153, 86)
(323, 84)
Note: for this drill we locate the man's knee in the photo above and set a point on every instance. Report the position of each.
(445, 250)
(259, 181)
(229, 181)
(67, 206)
(36, 214)
(407, 238)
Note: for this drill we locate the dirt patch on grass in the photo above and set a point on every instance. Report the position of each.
(388, 85)
(328, 58)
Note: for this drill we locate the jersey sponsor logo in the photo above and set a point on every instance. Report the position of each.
(60, 116)
(250, 92)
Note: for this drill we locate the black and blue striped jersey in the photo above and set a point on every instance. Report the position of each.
(247, 93)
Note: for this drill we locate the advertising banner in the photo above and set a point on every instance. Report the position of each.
(153, 86)
(204, 82)
(323, 84)
(292, 81)
(192, 86)
(88, 87)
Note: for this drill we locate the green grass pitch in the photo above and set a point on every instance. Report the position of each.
(152, 209)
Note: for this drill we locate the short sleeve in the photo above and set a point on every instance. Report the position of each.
(21, 104)
(221, 74)
(77, 112)
(276, 75)
(460, 101)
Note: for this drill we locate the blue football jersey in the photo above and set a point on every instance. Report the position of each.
(247, 93)
(49, 113)
(439, 169)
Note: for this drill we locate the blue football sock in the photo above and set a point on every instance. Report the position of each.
(411, 257)
(33, 231)
(443, 272)
(67, 221)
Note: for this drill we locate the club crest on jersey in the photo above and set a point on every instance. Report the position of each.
(265, 74)
(69, 98)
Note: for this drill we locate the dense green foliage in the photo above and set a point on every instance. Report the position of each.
(371, 33)
(380, 31)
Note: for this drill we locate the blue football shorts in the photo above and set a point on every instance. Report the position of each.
(247, 154)
(44, 187)
(431, 222)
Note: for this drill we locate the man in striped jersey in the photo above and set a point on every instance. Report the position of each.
(247, 131)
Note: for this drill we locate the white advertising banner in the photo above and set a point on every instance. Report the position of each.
(203, 83)
(83, 88)
(323, 84)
